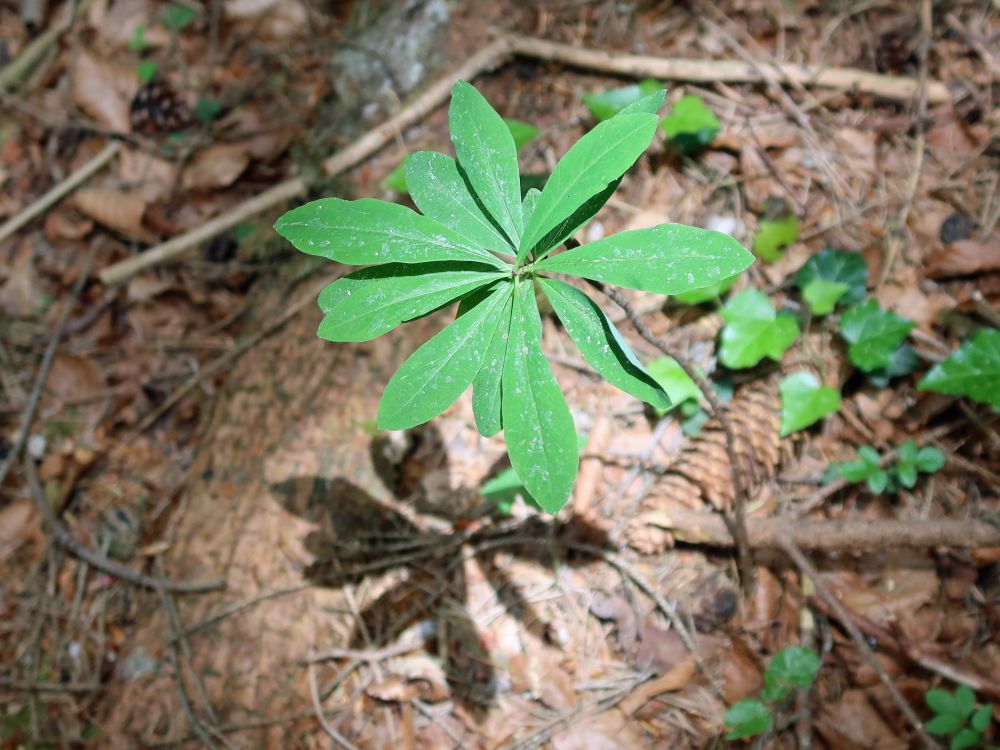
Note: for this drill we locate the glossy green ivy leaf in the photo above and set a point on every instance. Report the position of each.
(370, 231)
(529, 202)
(804, 401)
(522, 132)
(678, 384)
(177, 16)
(538, 426)
(792, 667)
(839, 266)
(690, 126)
(441, 193)
(396, 179)
(774, 235)
(706, 293)
(367, 303)
(606, 104)
(488, 157)
(747, 718)
(601, 344)
(754, 330)
(873, 334)
(822, 295)
(437, 373)
(973, 370)
(486, 388)
(667, 259)
(903, 361)
(597, 159)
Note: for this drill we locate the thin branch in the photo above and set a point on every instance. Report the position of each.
(324, 722)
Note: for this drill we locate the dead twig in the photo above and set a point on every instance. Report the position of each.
(370, 656)
(27, 60)
(844, 617)
(239, 606)
(324, 722)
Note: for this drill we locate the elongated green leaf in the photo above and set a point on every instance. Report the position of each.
(606, 104)
(487, 154)
(529, 202)
(666, 259)
(440, 192)
(575, 221)
(369, 231)
(486, 391)
(601, 344)
(973, 370)
(649, 104)
(596, 160)
(538, 426)
(396, 179)
(805, 401)
(373, 301)
(754, 330)
(873, 334)
(436, 374)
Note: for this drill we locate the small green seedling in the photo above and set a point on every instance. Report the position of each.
(793, 668)
(477, 242)
(138, 41)
(957, 716)
(207, 109)
(866, 468)
(177, 16)
(146, 70)
(973, 370)
(691, 126)
(777, 229)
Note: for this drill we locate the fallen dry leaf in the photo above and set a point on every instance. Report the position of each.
(18, 525)
(74, 377)
(675, 679)
(610, 730)
(216, 166)
(963, 258)
(151, 176)
(392, 688)
(115, 209)
(21, 295)
(852, 722)
(741, 673)
(659, 649)
(63, 225)
(103, 90)
(617, 609)
(117, 24)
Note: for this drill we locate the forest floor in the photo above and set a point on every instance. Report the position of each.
(178, 426)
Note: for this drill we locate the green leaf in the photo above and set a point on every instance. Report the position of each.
(690, 126)
(177, 16)
(754, 330)
(486, 388)
(487, 156)
(837, 266)
(649, 104)
(944, 724)
(907, 475)
(907, 452)
(666, 259)
(439, 190)
(505, 488)
(370, 231)
(207, 109)
(367, 303)
(396, 179)
(437, 373)
(601, 344)
(606, 104)
(597, 159)
(973, 370)
(138, 42)
(980, 720)
(530, 201)
(965, 700)
(538, 426)
(794, 665)
(823, 296)
(706, 293)
(929, 459)
(963, 739)
(903, 361)
(804, 401)
(773, 235)
(873, 334)
(747, 718)
(521, 132)
(672, 378)
(146, 70)
(878, 480)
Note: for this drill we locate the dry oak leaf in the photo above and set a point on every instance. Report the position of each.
(115, 209)
(18, 525)
(964, 257)
(151, 176)
(216, 166)
(103, 90)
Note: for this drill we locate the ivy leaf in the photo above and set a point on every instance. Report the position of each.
(690, 126)
(873, 334)
(903, 361)
(838, 266)
(747, 718)
(706, 293)
(486, 388)
(672, 378)
(207, 109)
(597, 159)
(606, 104)
(794, 665)
(367, 303)
(441, 193)
(754, 330)
(522, 132)
(177, 16)
(488, 157)
(804, 401)
(601, 344)
(437, 373)
(370, 231)
(822, 296)
(773, 235)
(666, 259)
(538, 426)
(973, 370)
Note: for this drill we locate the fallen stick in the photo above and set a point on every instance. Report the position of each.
(28, 59)
(496, 54)
(695, 527)
(59, 191)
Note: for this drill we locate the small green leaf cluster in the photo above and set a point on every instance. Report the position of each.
(956, 716)
(867, 467)
(792, 668)
(476, 241)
